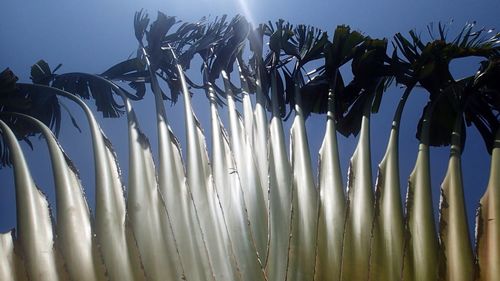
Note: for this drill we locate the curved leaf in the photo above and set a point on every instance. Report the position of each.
(34, 223)
(75, 238)
(119, 254)
(87, 85)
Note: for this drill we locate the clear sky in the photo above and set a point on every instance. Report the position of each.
(90, 36)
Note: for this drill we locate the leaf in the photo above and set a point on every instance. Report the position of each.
(379, 92)
(157, 31)
(141, 22)
(289, 97)
(280, 101)
(43, 105)
(275, 42)
(342, 47)
(87, 85)
(350, 104)
(40, 73)
(236, 34)
(311, 43)
(314, 96)
(256, 40)
(73, 120)
(369, 60)
(7, 83)
(442, 120)
(124, 69)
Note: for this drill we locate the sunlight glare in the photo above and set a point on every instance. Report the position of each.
(246, 11)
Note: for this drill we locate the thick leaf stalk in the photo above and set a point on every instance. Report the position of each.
(488, 227)
(302, 249)
(388, 226)
(421, 257)
(173, 186)
(359, 214)
(254, 194)
(256, 133)
(454, 229)
(116, 241)
(280, 192)
(146, 208)
(332, 203)
(257, 127)
(227, 183)
(200, 180)
(177, 196)
(33, 219)
(74, 239)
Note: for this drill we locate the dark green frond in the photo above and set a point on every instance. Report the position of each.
(87, 86)
(41, 73)
(141, 22)
(133, 71)
(342, 47)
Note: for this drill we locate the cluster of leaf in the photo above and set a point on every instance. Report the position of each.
(222, 43)
(14, 98)
(39, 100)
(468, 98)
(298, 57)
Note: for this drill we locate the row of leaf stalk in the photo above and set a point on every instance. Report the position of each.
(255, 211)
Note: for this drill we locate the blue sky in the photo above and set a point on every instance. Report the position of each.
(90, 36)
